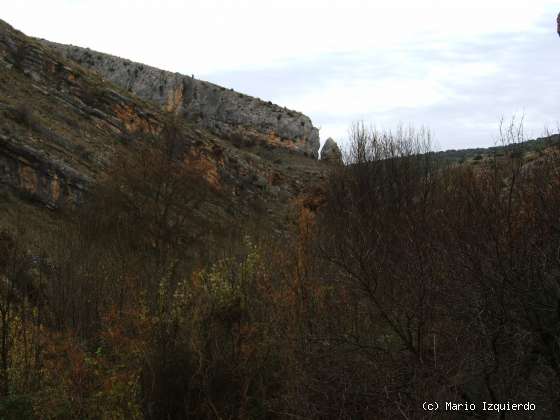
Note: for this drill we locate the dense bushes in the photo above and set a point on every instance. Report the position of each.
(453, 276)
(414, 282)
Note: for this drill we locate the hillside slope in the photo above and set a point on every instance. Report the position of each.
(62, 126)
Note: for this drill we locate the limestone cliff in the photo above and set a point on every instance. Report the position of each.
(63, 126)
(225, 112)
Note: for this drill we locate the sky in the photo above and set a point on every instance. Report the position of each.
(456, 67)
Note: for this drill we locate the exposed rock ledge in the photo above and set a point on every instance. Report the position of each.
(28, 171)
(224, 111)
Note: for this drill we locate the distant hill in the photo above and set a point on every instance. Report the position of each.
(528, 148)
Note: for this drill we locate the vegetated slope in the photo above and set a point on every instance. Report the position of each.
(415, 283)
(62, 126)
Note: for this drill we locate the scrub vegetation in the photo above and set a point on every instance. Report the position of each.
(413, 279)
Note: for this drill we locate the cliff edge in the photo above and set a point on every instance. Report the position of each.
(225, 112)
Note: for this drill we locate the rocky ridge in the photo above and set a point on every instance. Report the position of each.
(62, 126)
(225, 112)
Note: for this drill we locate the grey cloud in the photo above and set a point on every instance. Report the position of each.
(527, 79)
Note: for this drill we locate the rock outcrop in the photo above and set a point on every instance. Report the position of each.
(225, 112)
(330, 153)
(28, 172)
(59, 124)
(63, 127)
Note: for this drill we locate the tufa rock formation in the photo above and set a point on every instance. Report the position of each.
(330, 153)
(225, 112)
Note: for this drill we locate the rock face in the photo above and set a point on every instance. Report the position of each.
(330, 152)
(51, 183)
(59, 125)
(225, 112)
(63, 127)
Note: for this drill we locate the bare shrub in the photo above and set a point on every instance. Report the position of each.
(442, 276)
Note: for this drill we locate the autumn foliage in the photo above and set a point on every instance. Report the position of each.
(413, 281)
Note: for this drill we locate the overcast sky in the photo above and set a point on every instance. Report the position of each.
(455, 67)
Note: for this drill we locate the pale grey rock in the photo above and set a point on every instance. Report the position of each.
(221, 110)
(330, 152)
